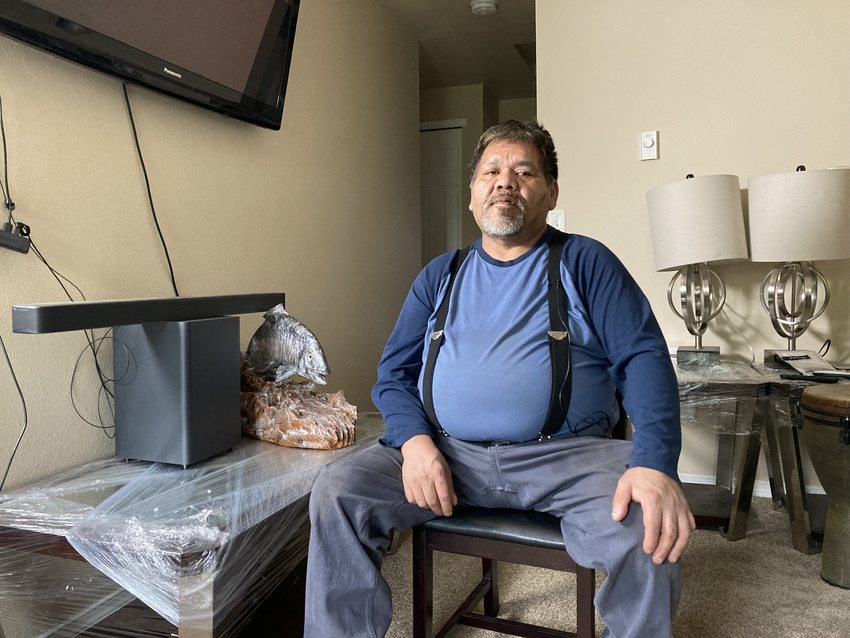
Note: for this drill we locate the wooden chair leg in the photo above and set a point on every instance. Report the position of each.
(423, 586)
(395, 541)
(585, 611)
(490, 570)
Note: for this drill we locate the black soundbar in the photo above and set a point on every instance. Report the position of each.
(84, 315)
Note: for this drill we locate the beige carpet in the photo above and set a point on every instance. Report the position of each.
(758, 587)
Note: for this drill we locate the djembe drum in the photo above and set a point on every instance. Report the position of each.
(825, 431)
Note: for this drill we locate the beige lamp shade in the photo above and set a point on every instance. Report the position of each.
(800, 216)
(697, 220)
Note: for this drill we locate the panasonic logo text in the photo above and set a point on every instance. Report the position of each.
(174, 73)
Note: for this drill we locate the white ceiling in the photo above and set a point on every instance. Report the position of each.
(457, 47)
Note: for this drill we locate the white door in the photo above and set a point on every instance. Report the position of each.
(440, 191)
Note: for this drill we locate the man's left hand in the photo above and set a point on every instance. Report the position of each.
(667, 519)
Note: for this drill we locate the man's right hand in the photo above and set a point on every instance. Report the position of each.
(426, 476)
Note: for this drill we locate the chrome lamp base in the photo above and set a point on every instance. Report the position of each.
(700, 294)
(790, 294)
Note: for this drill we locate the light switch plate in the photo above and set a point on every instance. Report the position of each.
(648, 145)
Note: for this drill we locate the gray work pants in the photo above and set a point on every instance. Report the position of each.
(358, 501)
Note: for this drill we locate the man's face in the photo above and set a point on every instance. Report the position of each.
(509, 194)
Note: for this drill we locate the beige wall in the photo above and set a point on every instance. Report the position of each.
(518, 109)
(748, 88)
(459, 102)
(325, 210)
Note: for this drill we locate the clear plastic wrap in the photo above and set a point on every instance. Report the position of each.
(784, 394)
(197, 546)
(728, 398)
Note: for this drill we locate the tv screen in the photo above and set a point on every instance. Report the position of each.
(231, 56)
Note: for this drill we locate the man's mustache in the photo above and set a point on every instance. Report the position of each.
(510, 198)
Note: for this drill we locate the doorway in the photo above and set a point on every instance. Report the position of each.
(441, 177)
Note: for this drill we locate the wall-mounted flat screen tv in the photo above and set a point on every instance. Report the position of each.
(231, 56)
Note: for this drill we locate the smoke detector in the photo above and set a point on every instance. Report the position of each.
(484, 7)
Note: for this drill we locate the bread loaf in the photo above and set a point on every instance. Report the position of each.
(296, 415)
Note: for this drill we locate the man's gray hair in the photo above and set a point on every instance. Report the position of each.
(515, 131)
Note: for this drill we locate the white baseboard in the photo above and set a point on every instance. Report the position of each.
(760, 488)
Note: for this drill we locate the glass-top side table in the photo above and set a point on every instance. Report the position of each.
(730, 400)
(807, 512)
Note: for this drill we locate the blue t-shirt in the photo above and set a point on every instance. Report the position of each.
(612, 329)
(492, 379)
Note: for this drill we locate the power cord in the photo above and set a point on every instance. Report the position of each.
(91, 340)
(105, 393)
(5, 190)
(148, 186)
(93, 344)
(23, 405)
(13, 237)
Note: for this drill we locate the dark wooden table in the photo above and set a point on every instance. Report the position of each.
(198, 547)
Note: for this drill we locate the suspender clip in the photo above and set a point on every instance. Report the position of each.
(436, 335)
(557, 335)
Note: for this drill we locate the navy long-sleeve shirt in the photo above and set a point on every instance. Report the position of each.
(493, 375)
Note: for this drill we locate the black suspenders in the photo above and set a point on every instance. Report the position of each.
(437, 341)
(559, 340)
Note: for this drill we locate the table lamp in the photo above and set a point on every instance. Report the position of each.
(695, 222)
(796, 219)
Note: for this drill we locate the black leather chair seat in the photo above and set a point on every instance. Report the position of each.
(527, 527)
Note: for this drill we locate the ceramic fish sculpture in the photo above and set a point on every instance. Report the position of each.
(283, 346)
